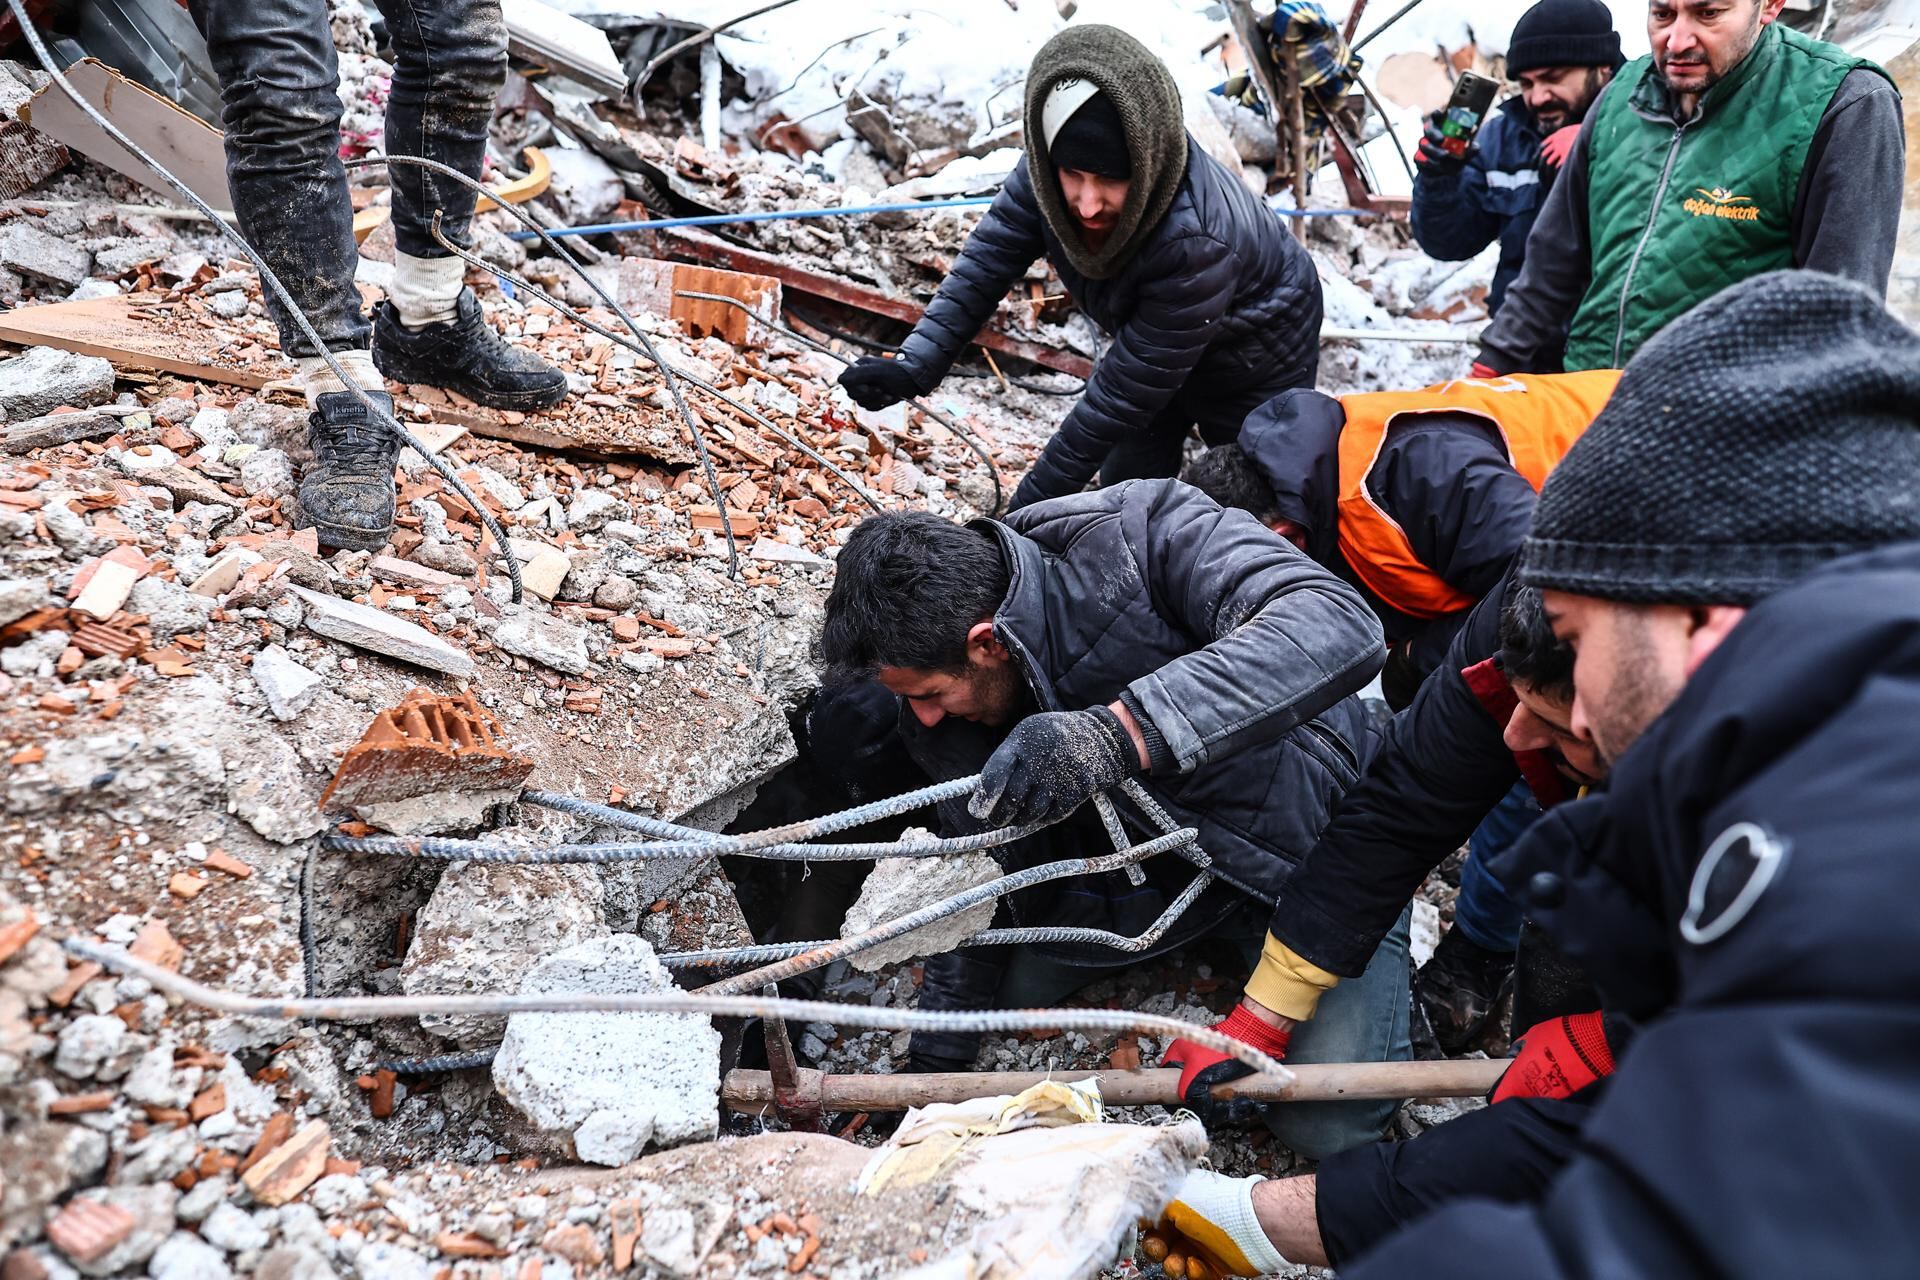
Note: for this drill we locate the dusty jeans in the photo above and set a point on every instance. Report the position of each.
(278, 81)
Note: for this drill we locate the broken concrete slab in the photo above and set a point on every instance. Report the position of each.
(369, 628)
(44, 379)
(61, 428)
(27, 249)
(289, 687)
(484, 919)
(20, 597)
(536, 635)
(430, 764)
(614, 1081)
(897, 886)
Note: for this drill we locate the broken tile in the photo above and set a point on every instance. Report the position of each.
(222, 574)
(409, 574)
(107, 590)
(290, 1168)
(381, 632)
(429, 764)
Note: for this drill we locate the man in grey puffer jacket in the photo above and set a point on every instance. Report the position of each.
(1213, 307)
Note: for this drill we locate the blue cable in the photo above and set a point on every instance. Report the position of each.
(782, 215)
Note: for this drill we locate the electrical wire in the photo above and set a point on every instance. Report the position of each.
(360, 1008)
(268, 280)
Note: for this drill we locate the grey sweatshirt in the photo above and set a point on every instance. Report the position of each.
(1845, 217)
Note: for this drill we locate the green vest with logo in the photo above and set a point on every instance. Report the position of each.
(1677, 212)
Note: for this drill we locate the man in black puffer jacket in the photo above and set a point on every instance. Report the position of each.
(1212, 305)
(1136, 633)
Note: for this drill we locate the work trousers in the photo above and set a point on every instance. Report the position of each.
(279, 81)
(1215, 406)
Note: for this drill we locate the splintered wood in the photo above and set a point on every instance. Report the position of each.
(428, 743)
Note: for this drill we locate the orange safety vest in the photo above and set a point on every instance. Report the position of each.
(1538, 416)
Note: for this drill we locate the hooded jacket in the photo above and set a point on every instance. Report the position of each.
(1211, 303)
(1241, 653)
(1747, 886)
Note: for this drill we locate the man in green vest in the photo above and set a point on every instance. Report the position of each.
(1738, 146)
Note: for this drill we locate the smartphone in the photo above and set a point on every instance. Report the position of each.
(1466, 111)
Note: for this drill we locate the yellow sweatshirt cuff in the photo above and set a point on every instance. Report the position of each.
(1286, 983)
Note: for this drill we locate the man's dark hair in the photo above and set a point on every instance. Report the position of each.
(907, 588)
(1227, 475)
(1529, 651)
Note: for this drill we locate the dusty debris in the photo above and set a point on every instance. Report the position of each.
(368, 628)
(291, 1167)
(614, 1082)
(897, 886)
(43, 380)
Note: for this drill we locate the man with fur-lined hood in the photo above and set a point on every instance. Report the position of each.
(1212, 306)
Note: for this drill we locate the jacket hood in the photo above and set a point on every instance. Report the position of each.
(1141, 88)
(1293, 440)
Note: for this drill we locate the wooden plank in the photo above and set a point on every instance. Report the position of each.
(191, 148)
(118, 330)
(701, 247)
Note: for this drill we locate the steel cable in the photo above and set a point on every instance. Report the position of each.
(360, 1008)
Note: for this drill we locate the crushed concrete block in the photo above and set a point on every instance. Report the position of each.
(542, 568)
(615, 1081)
(370, 628)
(430, 764)
(35, 655)
(266, 473)
(20, 597)
(485, 918)
(30, 251)
(62, 428)
(171, 609)
(594, 508)
(271, 792)
(897, 886)
(783, 553)
(44, 379)
(538, 636)
(87, 1043)
(289, 687)
(186, 1257)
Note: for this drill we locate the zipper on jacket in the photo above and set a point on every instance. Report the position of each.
(1633, 263)
(1342, 751)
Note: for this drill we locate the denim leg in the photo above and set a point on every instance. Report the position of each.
(450, 59)
(1361, 1020)
(1484, 912)
(278, 80)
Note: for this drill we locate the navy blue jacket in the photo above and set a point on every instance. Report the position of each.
(1496, 196)
(1746, 887)
(1217, 310)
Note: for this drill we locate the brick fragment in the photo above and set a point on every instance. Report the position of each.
(86, 1230)
(290, 1168)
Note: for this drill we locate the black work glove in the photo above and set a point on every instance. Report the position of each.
(1433, 157)
(876, 382)
(1050, 764)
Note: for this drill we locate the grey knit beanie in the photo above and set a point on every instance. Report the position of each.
(1772, 428)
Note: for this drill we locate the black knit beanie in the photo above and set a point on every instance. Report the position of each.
(1093, 140)
(1563, 33)
(1772, 428)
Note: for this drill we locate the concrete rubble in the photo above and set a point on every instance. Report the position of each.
(191, 694)
(614, 1081)
(899, 886)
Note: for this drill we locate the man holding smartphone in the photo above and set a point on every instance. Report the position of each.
(1562, 53)
(1736, 147)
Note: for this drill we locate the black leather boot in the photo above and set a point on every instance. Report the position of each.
(1456, 992)
(465, 355)
(348, 490)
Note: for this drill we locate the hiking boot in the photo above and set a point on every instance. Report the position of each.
(347, 491)
(1457, 991)
(465, 355)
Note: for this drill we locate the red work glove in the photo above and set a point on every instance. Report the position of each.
(1559, 145)
(1201, 1069)
(1481, 371)
(1557, 1059)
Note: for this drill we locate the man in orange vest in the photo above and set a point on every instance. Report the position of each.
(1419, 499)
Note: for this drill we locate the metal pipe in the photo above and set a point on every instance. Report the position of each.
(1392, 18)
(360, 1008)
(751, 1091)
